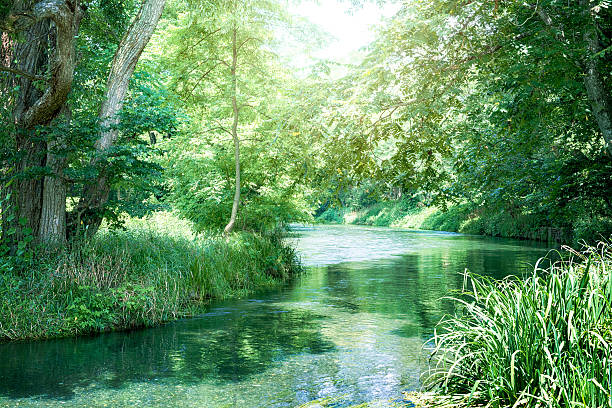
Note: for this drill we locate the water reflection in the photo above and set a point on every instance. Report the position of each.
(351, 329)
(226, 345)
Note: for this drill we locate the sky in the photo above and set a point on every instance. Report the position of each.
(350, 28)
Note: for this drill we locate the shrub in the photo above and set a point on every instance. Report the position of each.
(331, 216)
(592, 229)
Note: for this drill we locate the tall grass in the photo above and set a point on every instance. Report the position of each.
(139, 277)
(543, 341)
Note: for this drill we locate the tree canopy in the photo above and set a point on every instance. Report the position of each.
(500, 104)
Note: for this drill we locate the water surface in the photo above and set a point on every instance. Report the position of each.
(351, 328)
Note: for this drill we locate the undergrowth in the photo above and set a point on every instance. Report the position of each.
(140, 277)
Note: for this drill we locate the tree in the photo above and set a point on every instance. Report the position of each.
(44, 55)
(225, 71)
(500, 104)
(124, 62)
(235, 119)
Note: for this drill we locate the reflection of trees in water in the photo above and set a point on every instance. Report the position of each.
(222, 348)
(411, 286)
(343, 291)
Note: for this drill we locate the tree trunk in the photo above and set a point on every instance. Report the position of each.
(130, 48)
(53, 218)
(232, 222)
(53, 215)
(594, 83)
(34, 108)
(25, 203)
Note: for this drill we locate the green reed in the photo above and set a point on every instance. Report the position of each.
(540, 341)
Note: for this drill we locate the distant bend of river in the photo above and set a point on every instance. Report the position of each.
(352, 328)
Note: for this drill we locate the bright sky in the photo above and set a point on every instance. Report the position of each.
(350, 28)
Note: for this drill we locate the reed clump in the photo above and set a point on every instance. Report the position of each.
(540, 341)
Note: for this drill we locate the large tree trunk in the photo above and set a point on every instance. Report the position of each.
(53, 217)
(130, 48)
(26, 192)
(53, 214)
(33, 108)
(594, 83)
(235, 110)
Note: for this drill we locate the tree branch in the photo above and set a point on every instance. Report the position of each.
(56, 10)
(204, 75)
(24, 74)
(11, 22)
(223, 62)
(205, 37)
(244, 42)
(67, 17)
(224, 129)
(489, 51)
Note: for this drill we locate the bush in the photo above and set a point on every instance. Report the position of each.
(202, 191)
(542, 341)
(449, 220)
(592, 229)
(331, 216)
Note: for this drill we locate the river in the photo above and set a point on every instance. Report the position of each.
(352, 328)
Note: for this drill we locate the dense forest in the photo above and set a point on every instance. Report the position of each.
(153, 153)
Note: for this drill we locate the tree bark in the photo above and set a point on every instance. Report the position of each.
(236, 112)
(124, 62)
(33, 108)
(52, 227)
(53, 214)
(26, 192)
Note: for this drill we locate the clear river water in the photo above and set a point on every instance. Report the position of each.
(351, 328)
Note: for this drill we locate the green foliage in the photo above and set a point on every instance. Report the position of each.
(5, 8)
(153, 272)
(13, 256)
(331, 215)
(546, 339)
(274, 150)
(131, 164)
(453, 219)
(202, 191)
(483, 103)
(412, 212)
(589, 230)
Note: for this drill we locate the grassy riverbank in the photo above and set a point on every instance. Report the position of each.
(153, 272)
(470, 219)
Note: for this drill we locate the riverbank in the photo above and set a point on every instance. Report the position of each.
(155, 271)
(544, 339)
(470, 219)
